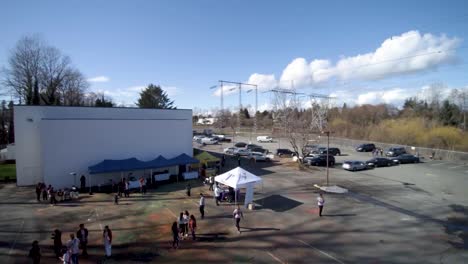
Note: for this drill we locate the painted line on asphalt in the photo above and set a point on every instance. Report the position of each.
(275, 258)
(321, 252)
(458, 166)
(172, 213)
(20, 232)
(97, 218)
(437, 164)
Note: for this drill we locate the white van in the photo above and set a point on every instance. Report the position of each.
(264, 139)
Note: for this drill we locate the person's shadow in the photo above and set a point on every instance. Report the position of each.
(257, 229)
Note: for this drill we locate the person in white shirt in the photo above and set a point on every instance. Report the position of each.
(237, 216)
(202, 205)
(107, 237)
(74, 246)
(217, 194)
(320, 202)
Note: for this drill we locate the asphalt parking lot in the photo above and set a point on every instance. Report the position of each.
(414, 213)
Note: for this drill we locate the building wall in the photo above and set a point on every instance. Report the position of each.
(61, 140)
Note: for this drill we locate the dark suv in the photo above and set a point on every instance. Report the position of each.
(284, 152)
(365, 147)
(321, 160)
(395, 151)
(331, 151)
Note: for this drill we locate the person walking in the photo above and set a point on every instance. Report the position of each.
(83, 183)
(202, 205)
(238, 160)
(35, 252)
(188, 188)
(320, 202)
(223, 160)
(57, 237)
(74, 246)
(38, 191)
(175, 235)
(53, 199)
(216, 194)
(192, 226)
(82, 235)
(107, 237)
(237, 216)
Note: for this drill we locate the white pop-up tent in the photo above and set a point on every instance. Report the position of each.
(239, 178)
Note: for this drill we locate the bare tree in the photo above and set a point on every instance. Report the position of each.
(40, 74)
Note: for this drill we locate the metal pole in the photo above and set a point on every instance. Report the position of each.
(240, 109)
(256, 109)
(328, 146)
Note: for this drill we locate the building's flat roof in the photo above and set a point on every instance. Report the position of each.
(101, 107)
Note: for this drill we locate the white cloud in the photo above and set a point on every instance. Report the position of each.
(264, 81)
(407, 53)
(99, 79)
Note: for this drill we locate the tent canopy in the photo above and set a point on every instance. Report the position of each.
(132, 164)
(237, 178)
(206, 158)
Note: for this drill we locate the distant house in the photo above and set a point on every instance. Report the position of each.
(8, 153)
(206, 121)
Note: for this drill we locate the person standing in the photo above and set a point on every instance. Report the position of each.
(181, 223)
(237, 216)
(38, 191)
(52, 193)
(211, 180)
(35, 252)
(44, 192)
(320, 202)
(74, 246)
(83, 183)
(186, 222)
(188, 188)
(175, 235)
(57, 237)
(107, 237)
(202, 205)
(82, 235)
(216, 194)
(192, 226)
(223, 160)
(238, 160)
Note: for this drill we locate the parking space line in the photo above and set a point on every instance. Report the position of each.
(19, 233)
(437, 164)
(458, 166)
(172, 213)
(321, 252)
(275, 258)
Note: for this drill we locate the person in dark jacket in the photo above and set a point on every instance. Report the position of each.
(57, 237)
(38, 191)
(44, 192)
(35, 252)
(175, 235)
(82, 235)
(83, 183)
(188, 188)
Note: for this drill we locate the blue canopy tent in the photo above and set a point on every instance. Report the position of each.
(132, 164)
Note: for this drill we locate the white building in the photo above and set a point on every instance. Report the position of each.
(53, 141)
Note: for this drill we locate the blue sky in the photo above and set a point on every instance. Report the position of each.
(187, 46)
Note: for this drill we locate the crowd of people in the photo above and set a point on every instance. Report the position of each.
(49, 194)
(69, 252)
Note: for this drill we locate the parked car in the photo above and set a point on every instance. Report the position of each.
(197, 137)
(317, 150)
(310, 147)
(264, 139)
(285, 152)
(252, 146)
(309, 157)
(240, 145)
(257, 156)
(242, 152)
(331, 151)
(354, 165)
(230, 150)
(395, 151)
(368, 147)
(380, 162)
(406, 158)
(260, 149)
(321, 160)
(207, 141)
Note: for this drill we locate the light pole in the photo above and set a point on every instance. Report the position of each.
(256, 107)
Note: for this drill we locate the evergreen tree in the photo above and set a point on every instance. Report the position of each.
(154, 97)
